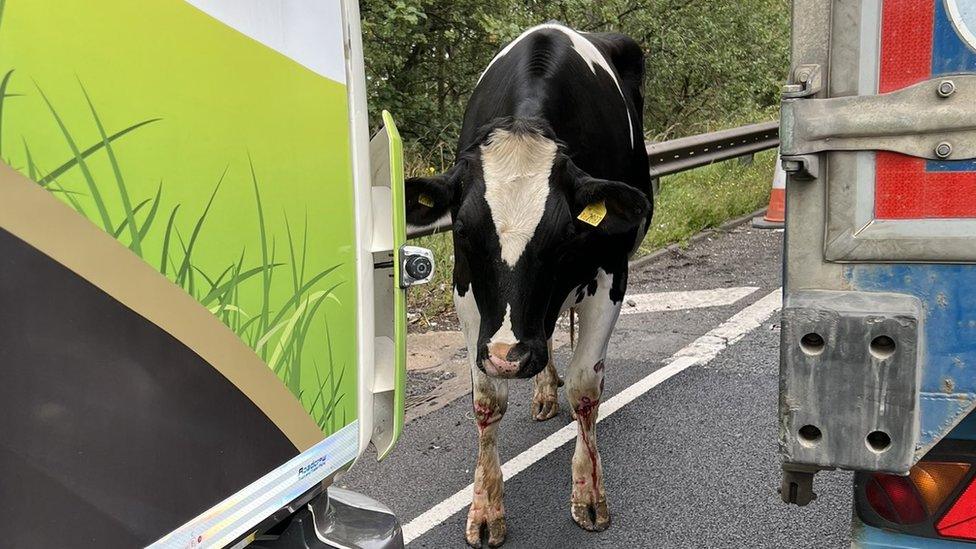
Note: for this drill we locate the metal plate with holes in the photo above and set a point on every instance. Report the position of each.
(849, 379)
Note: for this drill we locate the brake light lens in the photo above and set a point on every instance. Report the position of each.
(960, 521)
(914, 498)
(895, 499)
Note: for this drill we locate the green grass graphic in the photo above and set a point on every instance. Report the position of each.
(280, 332)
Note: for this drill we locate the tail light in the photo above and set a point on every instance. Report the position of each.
(936, 481)
(936, 499)
(896, 499)
(960, 520)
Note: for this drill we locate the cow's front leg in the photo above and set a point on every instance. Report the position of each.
(588, 501)
(545, 398)
(487, 511)
(598, 314)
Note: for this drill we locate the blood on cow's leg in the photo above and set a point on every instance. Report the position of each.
(584, 381)
(487, 512)
(588, 501)
(489, 402)
(545, 399)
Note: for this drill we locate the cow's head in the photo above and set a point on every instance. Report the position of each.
(515, 197)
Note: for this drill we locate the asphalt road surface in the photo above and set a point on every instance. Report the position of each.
(689, 457)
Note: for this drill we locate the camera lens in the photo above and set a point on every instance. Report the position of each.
(418, 267)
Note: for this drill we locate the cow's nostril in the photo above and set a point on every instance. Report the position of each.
(500, 350)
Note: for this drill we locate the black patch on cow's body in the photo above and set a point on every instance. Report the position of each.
(543, 60)
(461, 276)
(543, 85)
(591, 287)
(618, 287)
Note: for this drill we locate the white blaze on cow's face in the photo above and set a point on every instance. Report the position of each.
(504, 335)
(500, 345)
(516, 169)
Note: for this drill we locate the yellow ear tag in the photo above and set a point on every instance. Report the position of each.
(594, 213)
(425, 200)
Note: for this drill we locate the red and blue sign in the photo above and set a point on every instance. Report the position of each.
(922, 40)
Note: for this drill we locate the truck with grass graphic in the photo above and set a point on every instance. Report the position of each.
(201, 300)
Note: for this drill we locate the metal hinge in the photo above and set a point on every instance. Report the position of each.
(935, 120)
(809, 82)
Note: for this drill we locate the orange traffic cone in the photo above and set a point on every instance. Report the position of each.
(775, 217)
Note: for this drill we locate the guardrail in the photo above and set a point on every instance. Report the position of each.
(678, 155)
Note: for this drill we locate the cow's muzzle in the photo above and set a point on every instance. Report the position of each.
(513, 361)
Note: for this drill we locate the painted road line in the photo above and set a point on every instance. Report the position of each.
(701, 351)
(677, 301)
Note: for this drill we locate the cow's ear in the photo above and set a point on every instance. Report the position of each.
(430, 198)
(610, 206)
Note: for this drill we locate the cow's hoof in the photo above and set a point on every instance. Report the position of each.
(594, 518)
(478, 527)
(543, 409)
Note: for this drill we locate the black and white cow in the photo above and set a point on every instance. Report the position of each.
(549, 196)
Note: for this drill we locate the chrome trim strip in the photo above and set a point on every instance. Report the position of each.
(233, 517)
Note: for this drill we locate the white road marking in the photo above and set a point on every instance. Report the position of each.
(701, 351)
(676, 301)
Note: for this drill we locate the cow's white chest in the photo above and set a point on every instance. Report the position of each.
(516, 172)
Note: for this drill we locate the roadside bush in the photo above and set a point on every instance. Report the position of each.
(709, 62)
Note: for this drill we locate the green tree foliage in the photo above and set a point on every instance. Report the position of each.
(710, 63)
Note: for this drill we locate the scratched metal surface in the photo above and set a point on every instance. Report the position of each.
(948, 363)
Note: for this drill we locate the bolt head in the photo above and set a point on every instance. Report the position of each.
(947, 88)
(943, 150)
(792, 166)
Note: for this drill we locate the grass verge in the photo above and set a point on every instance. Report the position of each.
(704, 198)
(689, 203)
